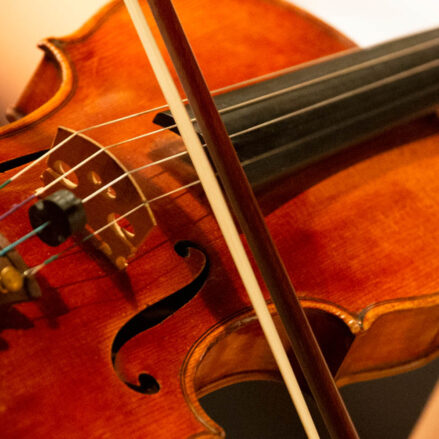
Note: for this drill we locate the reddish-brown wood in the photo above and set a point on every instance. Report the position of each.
(358, 244)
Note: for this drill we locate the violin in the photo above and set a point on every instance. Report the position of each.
(157, 290)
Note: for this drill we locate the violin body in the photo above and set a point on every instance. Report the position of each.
(95, 355)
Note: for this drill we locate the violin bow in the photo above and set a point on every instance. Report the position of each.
(249, 216)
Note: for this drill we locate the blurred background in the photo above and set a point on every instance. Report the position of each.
(384, 409)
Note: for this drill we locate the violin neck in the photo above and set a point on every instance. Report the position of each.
(291, 121)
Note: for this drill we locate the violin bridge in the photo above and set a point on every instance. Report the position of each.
(120, 240)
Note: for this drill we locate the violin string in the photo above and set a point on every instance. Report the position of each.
(255, 127)
(62, 176)
(10, 247)
(41, 190)
(261, 125)
(388, 57)
(394, 55)
(321, 131)
(159, 197)
(277, 150)
(140, 113)
(71, 136)
(65, 174)
(245, 163)
(132, 171)
(255, 159)
(33, 270)
(250, 102)
(402, 75)
(17, 206)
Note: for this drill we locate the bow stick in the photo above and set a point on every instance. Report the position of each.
(243, 202)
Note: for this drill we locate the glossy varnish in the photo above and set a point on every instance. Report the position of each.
(357, 234)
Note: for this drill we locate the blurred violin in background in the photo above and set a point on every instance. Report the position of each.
(121, 329)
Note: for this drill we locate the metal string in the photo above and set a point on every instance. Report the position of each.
(394, 55)
(39, 191)
(375, 84)
(259, 157)
(36, 268)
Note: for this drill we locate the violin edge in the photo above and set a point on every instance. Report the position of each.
(56, 59)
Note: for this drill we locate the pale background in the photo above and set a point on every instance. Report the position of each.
(24, 22)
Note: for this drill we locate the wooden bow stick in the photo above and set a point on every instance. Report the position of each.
(249, 217)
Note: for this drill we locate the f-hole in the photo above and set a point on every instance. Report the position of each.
(157, 313)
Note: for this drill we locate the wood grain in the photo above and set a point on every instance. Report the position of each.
(357, 234)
